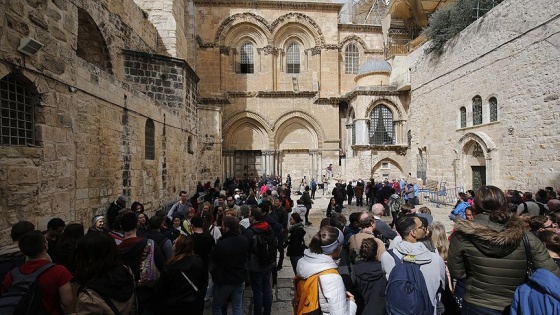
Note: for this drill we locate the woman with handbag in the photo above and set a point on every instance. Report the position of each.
(182, 284)
(489, 254)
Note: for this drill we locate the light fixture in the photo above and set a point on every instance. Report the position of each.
(29, 46)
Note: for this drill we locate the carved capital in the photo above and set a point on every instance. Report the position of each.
(268, 50)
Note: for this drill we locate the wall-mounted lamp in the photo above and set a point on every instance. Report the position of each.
(29, 46)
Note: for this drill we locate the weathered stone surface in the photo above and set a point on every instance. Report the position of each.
(54, 64)
(38, 20)
(22, 175)
(17, 25)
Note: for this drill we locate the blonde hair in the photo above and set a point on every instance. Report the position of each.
(439, 238)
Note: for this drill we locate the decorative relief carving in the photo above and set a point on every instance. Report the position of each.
(202, 44)
(224, 50)
(268, 50)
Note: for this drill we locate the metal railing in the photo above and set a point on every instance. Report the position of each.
(442, 196)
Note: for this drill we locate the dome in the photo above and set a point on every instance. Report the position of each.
(375, 65)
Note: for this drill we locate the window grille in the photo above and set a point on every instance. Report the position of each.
(463, 117)
(17, 125)
(353, 133)
(493, 109)
(477, 110)
(382, 129)
(293, 58)
(351, 59)
(150, 141)
(247, 62)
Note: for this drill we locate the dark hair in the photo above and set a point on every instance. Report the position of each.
(265, 207)
(326, 236)
(129, 222)
(537, 222)
(406, 208)
(197, 222)
(368, 249)
(338, 220)
(71, 234)
(182, 192)
(297, 217)
(32, 244)
(257, 213)
(354, 217)
(405, 224)
(232, 224)
(21, 228)
(155, 223)
(471, 192)
(541, 194)
(96, 254)
(551, 240)
(136, 204)
(184, 247)
(55, 223)
(492, 200)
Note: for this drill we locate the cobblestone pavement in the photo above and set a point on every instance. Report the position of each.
(282, 297)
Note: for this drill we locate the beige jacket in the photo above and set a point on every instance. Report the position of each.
(89, 302)
(355, 242)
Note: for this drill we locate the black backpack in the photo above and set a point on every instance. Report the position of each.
(264, 246)
(24, 295)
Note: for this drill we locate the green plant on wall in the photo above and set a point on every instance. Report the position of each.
(446, 22)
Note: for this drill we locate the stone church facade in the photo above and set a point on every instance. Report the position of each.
(145, 98)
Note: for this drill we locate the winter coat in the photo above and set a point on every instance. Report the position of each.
(431, 264)
(174, 290)
(370, 282)
(228, 259)
(306, 199)
(540, 295)
(332, 293)
(253, 264)
(296, 242)
(492, 258)
(118, 286)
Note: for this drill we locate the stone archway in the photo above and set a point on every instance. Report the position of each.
(476, 167)
(388, 169)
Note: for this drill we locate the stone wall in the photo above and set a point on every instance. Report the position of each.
(511, 54)
(89, 123)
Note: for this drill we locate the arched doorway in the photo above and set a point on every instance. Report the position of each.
(387, 169)
(474, 165)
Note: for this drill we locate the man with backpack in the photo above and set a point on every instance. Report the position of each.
(411, 265)
(531, 206)
(10, 255)
(262, 258)
(37, 275)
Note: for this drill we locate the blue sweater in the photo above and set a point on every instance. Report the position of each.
(540, 295)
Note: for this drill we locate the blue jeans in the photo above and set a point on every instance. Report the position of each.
(262, 292)
(221, 294)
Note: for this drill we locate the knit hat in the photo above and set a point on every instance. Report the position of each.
(97, 218)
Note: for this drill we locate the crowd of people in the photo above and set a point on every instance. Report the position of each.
(203, 251)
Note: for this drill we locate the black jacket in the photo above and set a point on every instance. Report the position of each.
(369, 281)
(296, 243)
(174, 290)
(229, 258)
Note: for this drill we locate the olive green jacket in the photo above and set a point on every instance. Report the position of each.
(492, 258)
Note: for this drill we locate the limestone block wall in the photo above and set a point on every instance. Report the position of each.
(510, 54)
(209, 153)
(89, 123)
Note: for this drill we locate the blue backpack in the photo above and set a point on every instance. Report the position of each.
(406, 292)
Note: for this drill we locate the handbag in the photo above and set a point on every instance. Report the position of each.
(149, 273)
(529, 257)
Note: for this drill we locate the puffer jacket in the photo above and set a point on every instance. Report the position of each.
(491, 257)
(332, 293)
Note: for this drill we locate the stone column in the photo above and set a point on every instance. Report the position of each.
(228, 163)
(314, 170)
(362, 137)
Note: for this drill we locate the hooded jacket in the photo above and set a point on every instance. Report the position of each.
(253, 264)
(332, 293)
(431, 264)
(296, 241)
(369, 280)
(117, 285)
(540, 295)
(228, 259)
(492, 258)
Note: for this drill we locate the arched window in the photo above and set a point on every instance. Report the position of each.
(493, 102)
(190, 145)
(463, 117)
(382, 129)
(351, 59)
(17, 111)
(247, 59)
(477, 110)
(292, 58)
(150, 140)
(91, 44)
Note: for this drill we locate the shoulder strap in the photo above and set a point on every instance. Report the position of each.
(528, 256)
(524, 207)
(107, 301)
(17, 275)
(398, 261)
